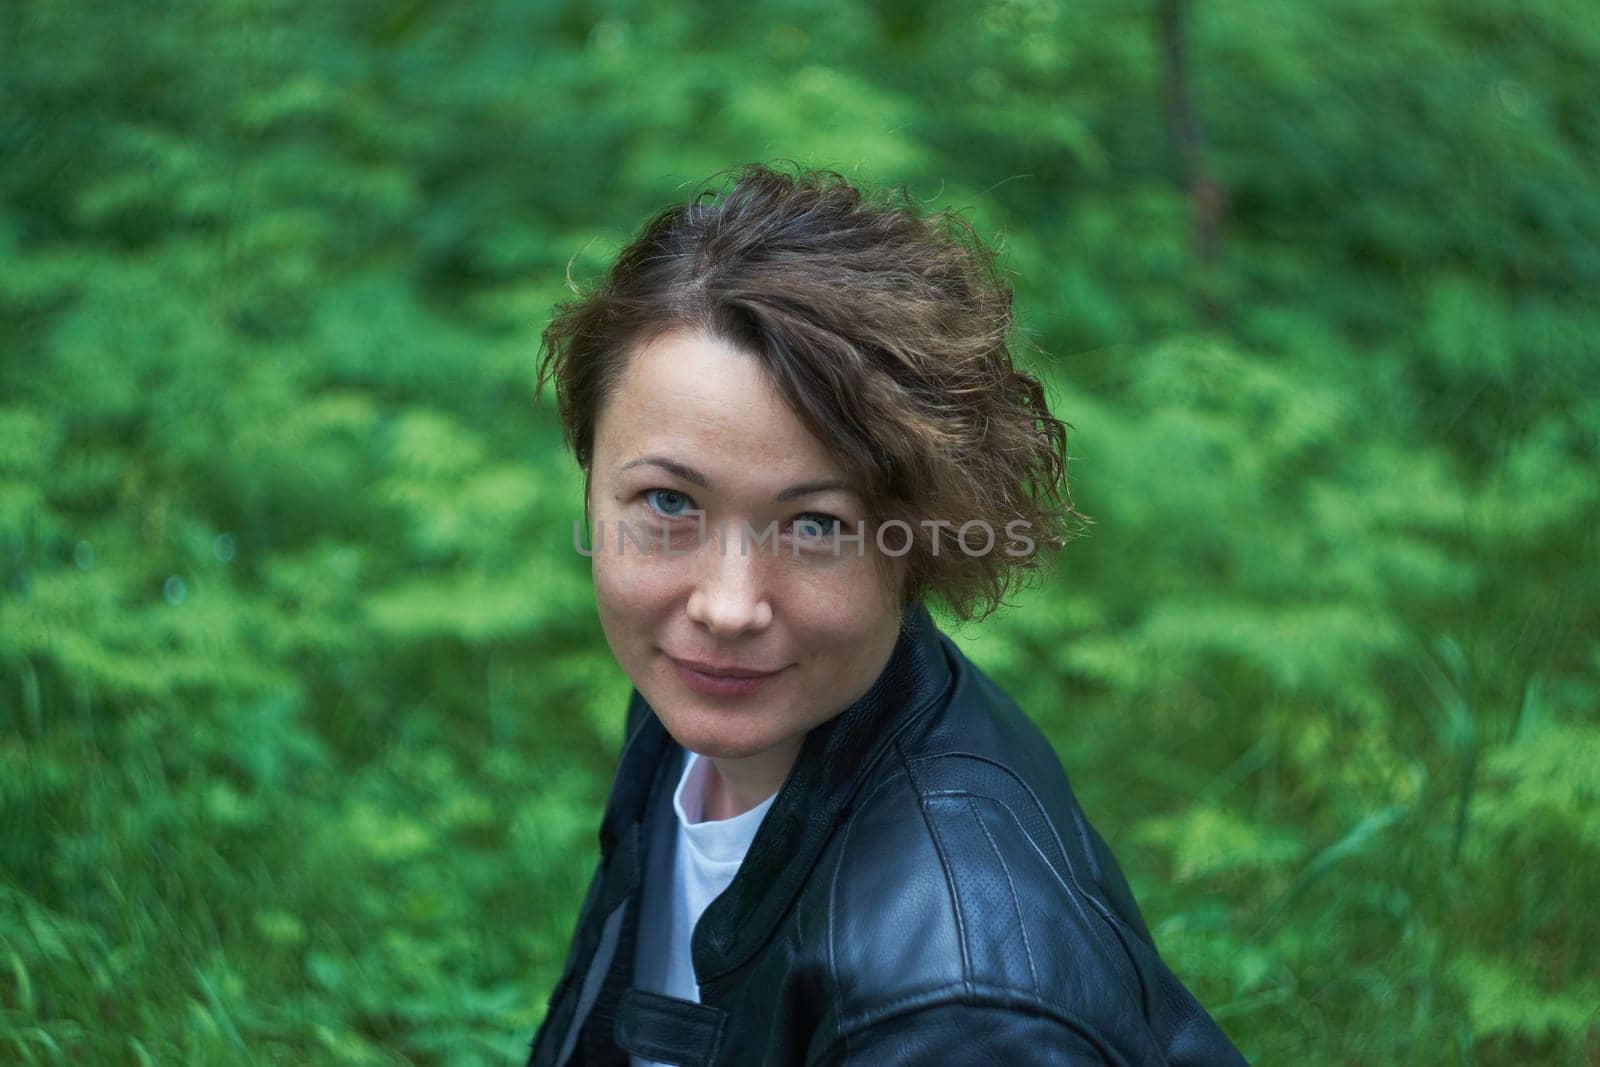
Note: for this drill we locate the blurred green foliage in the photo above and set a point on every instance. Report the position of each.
(305, 717)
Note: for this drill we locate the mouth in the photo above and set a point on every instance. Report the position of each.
(721, 679)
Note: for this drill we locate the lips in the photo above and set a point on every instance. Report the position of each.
(717, 670)
(721, 679)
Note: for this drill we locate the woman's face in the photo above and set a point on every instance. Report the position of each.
(740, 652)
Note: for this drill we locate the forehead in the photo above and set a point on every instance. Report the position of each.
(700, 401)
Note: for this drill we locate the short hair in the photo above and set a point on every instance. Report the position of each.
(884, 329)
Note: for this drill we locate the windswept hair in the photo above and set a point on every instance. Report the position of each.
(886, 332)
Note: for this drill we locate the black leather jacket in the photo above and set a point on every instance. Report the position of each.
(924, 890)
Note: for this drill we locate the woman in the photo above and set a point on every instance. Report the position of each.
(831, 838)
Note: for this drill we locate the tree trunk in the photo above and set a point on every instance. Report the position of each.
(1206, 196)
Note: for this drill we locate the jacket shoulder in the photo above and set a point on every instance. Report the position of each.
(950, 883)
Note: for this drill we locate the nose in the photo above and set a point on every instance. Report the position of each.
(729, 597)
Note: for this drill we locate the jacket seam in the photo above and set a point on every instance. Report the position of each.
(1071, 883)
(1076, 893)
(1011, 885)
(955, 898)
(1026, 788)
(833, 891)
(965, 994)
(949, 875)
(1066, 856)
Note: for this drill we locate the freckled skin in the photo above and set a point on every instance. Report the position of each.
(825, 623)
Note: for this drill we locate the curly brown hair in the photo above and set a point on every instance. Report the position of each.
(883, 329)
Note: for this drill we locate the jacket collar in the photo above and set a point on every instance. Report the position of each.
(832, 764)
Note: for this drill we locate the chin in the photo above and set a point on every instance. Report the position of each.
(710, 733)
(721, 748)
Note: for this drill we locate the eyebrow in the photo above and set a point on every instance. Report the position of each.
(689, 474)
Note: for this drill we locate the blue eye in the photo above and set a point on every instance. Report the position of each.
(817, 524)
(668, 502)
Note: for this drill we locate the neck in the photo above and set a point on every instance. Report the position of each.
(737, 785)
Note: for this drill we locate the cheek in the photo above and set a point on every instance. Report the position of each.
(849, 621)
(633, 593)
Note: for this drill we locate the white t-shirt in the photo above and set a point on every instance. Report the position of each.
(706, 857)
